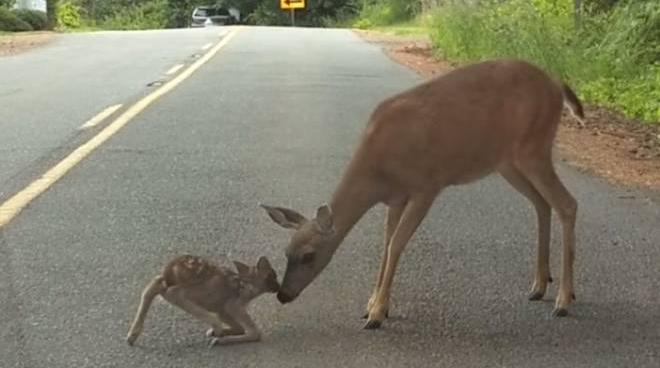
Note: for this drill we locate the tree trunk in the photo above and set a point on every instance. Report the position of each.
(51, 12)
(577, 10)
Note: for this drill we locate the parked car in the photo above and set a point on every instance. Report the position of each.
(212, 15)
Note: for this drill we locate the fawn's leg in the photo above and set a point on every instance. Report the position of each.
(155, 287)
(239, 315)
(234, 328)
(176, 296)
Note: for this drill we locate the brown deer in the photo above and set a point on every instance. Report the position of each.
(215, 295)
(493, 116)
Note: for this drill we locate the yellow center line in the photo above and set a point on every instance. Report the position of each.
(14, 205)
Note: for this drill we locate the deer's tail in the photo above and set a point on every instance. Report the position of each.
(573, 102)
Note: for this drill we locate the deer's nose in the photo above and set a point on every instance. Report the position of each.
(284, 297)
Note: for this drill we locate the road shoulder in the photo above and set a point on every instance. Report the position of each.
(16, 43)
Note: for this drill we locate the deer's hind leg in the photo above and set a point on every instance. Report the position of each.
(155, 287)
(543, 215)
(539, 170)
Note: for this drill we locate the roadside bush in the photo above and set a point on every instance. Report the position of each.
(613, 59)
(35, 18)
(148, 15)
(7, 4)
(9, 22)
(68, 14)
(384, 12)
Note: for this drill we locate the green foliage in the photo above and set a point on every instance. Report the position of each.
(7, 4)
(148, 15)
(610, 58)
(68, 14)
(11, 23)
(385, 12)
(35, 18)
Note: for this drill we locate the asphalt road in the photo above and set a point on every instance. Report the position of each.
(273, 118)
(47, 94)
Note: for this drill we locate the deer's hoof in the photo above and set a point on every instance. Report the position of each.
(535, 295)
(560, 312)
(373, 325)
(573, 296)
(130, 339)
(366, 315)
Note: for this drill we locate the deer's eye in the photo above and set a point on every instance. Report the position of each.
(307, 258)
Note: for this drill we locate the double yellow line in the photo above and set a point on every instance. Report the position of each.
(14, 205)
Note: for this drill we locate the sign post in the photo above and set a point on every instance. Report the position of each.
(291, 6)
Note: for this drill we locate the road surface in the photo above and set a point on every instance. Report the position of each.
(273, 118)
(47, 94)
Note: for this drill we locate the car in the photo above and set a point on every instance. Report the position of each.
(212, 15)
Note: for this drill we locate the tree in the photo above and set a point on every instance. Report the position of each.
(7, 3)
(51, 12)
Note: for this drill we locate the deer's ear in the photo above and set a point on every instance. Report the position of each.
(324, 220)
(285, 217)
(263, 264)
(242, 268)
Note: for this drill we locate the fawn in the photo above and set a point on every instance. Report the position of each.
(216, 295)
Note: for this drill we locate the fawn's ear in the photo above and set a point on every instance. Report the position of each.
(263, 264)
(285, 217)
(242, 268)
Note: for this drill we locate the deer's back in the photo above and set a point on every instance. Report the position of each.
(459, 127)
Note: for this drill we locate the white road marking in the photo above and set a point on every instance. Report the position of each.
(101, 116)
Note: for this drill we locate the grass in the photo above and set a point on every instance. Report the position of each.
(613, 59)
(405, 28)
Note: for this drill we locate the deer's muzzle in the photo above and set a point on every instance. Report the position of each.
(284, 297)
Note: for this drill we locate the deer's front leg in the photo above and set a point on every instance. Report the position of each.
(413, 213)
(238, 314)
(392, 220)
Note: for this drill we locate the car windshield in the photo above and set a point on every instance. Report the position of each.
(203, 12)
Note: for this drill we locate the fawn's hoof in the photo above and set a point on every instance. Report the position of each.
(560, 312)
(535, 295)
(130, 339)
(573, 296)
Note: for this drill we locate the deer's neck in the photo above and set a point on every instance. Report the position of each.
(354, 196)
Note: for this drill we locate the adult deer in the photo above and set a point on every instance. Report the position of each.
(498, 115)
